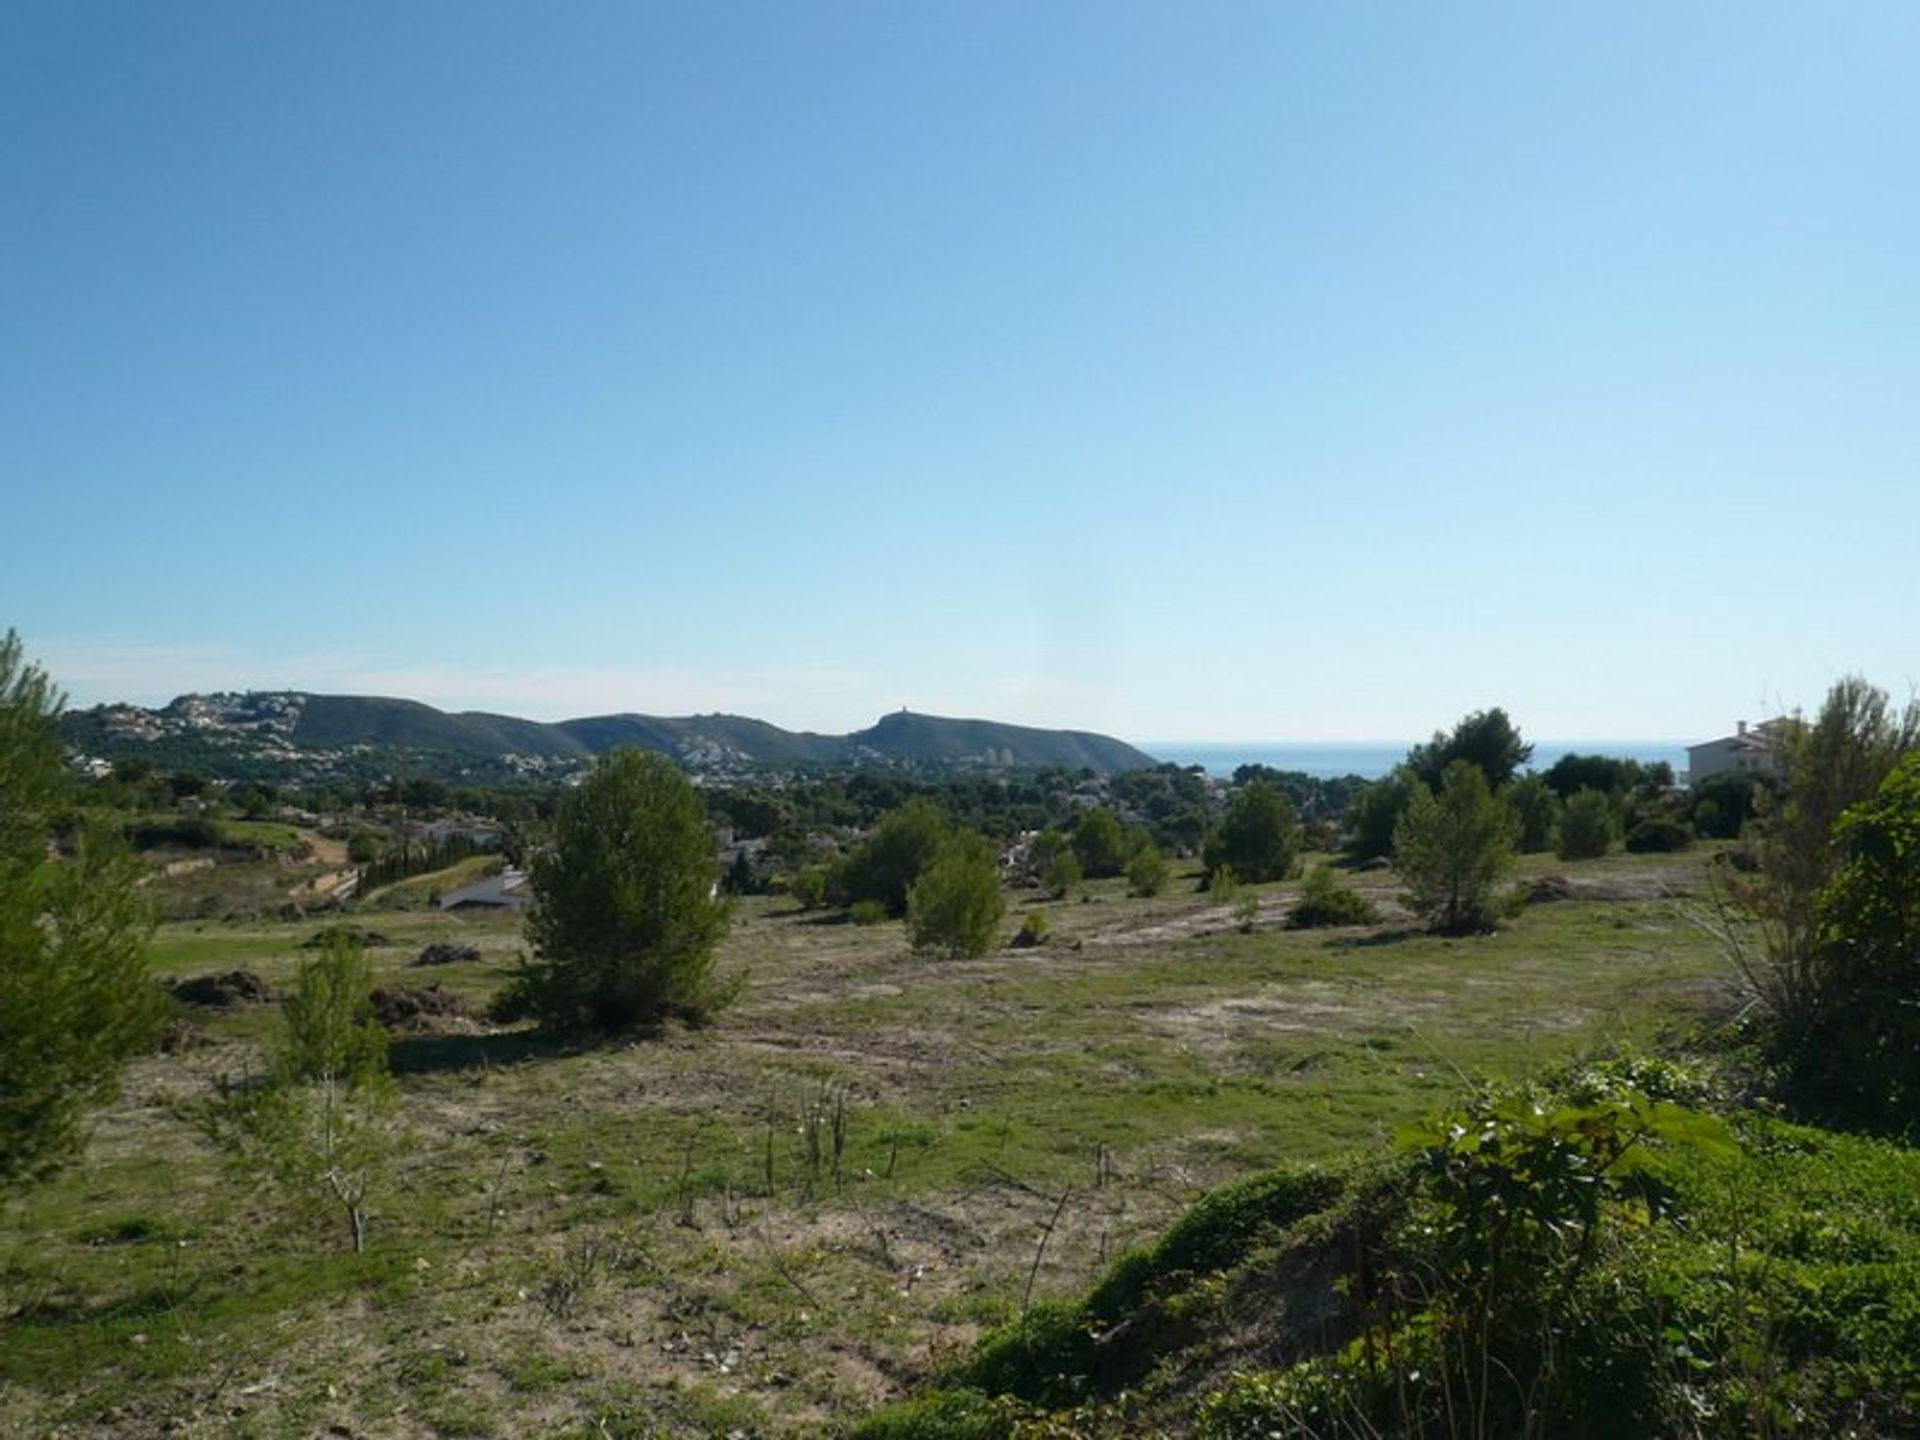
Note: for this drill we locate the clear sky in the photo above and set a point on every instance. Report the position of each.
(1269, 370)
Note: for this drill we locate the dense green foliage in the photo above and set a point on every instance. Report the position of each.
(624, 918)
(954, 907)
(1325, 901)
(1536, 813)
(1571, 774)
(1659, 835)
(1596, 1255)
(1453, 849)
(1836, 762)
(1375, 811)
(1854, 1047)
(1259, 837)
(904, 844)
(1147, 870)
(1486, 739)
(1721, 805)
(1100, 843)
(328, 1030)
(74, 998)
(1587, 826)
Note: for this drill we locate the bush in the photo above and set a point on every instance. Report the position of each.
(1146, 871)
(1586, 827)
(1453, 849)
(322, 1132)
(1375, 811)
(1537, 809)
(955, 907)
(624, 919)
(1325, 901)
(808, 886)
(1259, 837)
(1100, 842)
(1853, 1050)
(903, 845)
(1032, 931)
(867, 912)
(1658, 835)
(1246, 911)
(1062, 873)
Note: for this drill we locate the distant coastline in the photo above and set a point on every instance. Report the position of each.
(1372, 759)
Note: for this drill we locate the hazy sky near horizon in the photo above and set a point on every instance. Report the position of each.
(1219, 371)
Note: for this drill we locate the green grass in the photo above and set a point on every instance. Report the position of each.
(1146, 1052)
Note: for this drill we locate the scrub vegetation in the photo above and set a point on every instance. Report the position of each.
(1476, 1140)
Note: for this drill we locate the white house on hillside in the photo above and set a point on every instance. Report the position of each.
(1749, 749)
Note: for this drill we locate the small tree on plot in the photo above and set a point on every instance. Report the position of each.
(75, 1001)
(1259, 836)
(1100, 842)
(955, 907)
(1146, 870)
(323, 1129)
(1452, 849)
(625, 918)
(1586, 827)
(902, 845)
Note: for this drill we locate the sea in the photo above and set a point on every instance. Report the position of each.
(1370, 759)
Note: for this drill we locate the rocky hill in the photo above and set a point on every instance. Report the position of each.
(295, 735)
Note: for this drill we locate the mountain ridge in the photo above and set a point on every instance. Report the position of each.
(294, 731)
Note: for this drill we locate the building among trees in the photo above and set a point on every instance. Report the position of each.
(1751, 750)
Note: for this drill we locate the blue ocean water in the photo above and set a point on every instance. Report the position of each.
(1370, 760)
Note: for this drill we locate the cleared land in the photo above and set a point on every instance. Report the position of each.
(768, 1226)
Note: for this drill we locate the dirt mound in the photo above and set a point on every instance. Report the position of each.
(355, 934)
(236, 987)
(441, 953)
(400, 1008)
(1549, 888)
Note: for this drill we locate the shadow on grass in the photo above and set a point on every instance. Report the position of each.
(1375, 939)
(433, 1054)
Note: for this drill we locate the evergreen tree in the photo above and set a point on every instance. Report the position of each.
(1452, 849)
(75, 1001)
(1259, 837)
(624, 920)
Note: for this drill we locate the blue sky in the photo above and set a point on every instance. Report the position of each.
(1284, 371)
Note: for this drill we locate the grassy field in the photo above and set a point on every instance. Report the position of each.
(768, 1226)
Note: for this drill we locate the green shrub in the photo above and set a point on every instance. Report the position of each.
(1100, 842)
(1537, 809)
(808, 886)
(1259, 837)
(962, 1414)
(1453, 849)
(1061, 874)
(954, 908)
(905, 843)
(1146, 871)
(1325, 901)
(1658, 835)
(867, 912)
(1373, 814)
(1032, 931)
(1586, 826)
